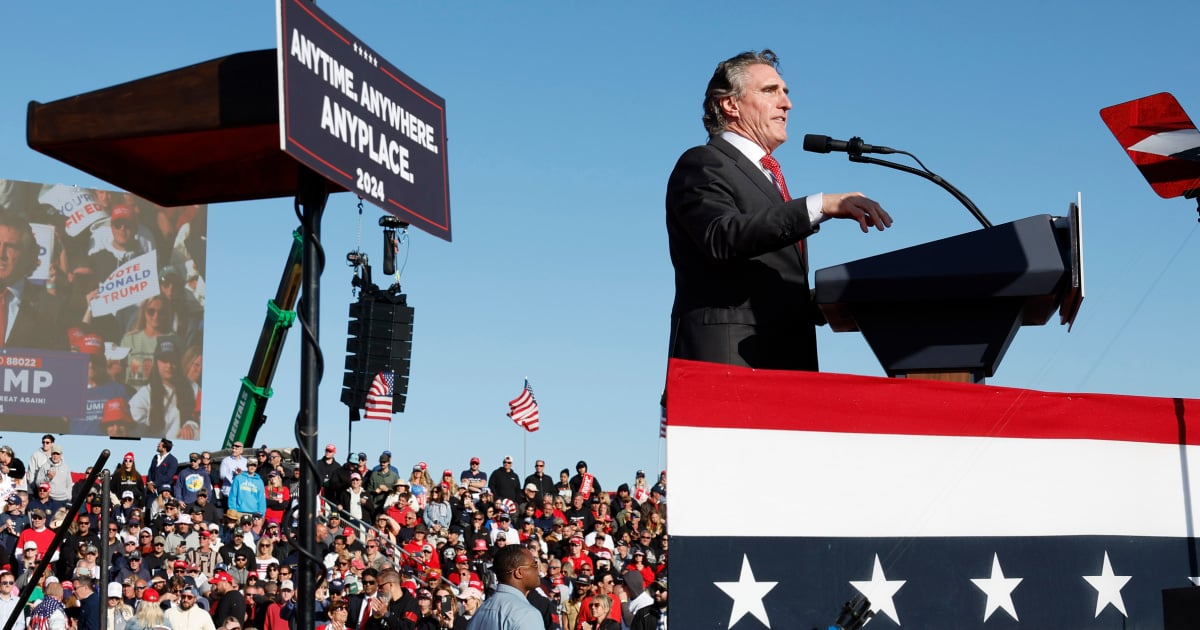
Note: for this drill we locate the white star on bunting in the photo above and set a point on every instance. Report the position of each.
(1108, 587)
(998, 589)
(879, 590)
(747, 595)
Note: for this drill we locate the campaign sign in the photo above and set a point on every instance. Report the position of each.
(131, 284)
(78, 205)
(42, 383)
(351, 116)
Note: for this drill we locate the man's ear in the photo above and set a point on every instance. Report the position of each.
(729, 107)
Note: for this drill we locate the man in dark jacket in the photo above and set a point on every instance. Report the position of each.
(539, 478)
(163, 466)
(89, 603)
(230, 601)
(649, 617)
(505, 483)
(394, 608)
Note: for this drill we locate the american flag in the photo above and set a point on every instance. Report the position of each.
(524, 409)
(379, 398)
(948, 505)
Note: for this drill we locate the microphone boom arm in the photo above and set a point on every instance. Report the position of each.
(933, 177)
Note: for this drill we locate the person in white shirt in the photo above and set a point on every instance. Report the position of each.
(186, 615)
(8, 600)
(233, 464)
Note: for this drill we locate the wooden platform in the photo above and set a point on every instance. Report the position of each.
(206, 133)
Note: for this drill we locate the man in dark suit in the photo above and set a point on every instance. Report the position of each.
(30, 315)
(736, 236)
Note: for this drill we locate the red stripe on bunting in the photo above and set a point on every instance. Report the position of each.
(721, 396)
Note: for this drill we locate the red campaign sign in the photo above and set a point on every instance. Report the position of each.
(1161, 140)
(356, 119)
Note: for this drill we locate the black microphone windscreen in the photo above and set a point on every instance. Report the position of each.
(816, 143)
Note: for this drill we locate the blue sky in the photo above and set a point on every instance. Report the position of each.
(564, 121)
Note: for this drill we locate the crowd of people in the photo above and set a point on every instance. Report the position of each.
(208, 541)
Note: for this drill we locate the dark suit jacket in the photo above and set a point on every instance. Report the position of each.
(741, 282)
(38, 322)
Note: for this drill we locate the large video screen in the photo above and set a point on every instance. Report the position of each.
(101, 312)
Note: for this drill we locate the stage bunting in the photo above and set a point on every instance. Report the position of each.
(948, 505)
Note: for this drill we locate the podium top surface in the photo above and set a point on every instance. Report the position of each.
(206, 133)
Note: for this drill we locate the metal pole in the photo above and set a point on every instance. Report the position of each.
(312, 193)
(102, 584)
(56, 542)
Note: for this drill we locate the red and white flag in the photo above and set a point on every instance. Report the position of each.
(379, 397)
(524, 409)
(1161, 140)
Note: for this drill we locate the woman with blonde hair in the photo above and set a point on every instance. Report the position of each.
(601, 606)
(153, 320)
(149, 615)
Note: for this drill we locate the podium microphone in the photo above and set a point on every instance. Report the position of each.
(855, 145)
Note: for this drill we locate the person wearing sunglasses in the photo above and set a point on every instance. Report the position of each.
(166, 403)
(599, 608)
(186, 615)
(39, 461)
(8, 599)
(508, 608)
(37, 532)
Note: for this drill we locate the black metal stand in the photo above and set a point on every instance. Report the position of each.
(933, 177)
(50, 552)
(312, 193)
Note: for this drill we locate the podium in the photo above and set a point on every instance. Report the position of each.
(949, 309)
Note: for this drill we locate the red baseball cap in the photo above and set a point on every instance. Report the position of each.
(117, 410)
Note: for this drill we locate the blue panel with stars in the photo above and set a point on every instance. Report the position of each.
(1077, 582)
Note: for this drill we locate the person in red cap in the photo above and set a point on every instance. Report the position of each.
(100, 389)
(462, 574)
(149, 614)
(229, 601)
(474, 478)
(327, 465)
(120, 240)
(117, 420)
(40, 499)
(577, 557)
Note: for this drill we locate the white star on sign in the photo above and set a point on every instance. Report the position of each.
(998, 589)
(1108, 587)
(879, 590)
(747, 595)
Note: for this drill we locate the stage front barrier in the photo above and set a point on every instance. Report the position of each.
(948, 505)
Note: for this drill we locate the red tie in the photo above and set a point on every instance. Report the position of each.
(365, 613)
(772, 165)
(4, 315)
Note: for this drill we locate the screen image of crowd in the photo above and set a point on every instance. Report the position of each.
(104, 292)
(205, 540)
